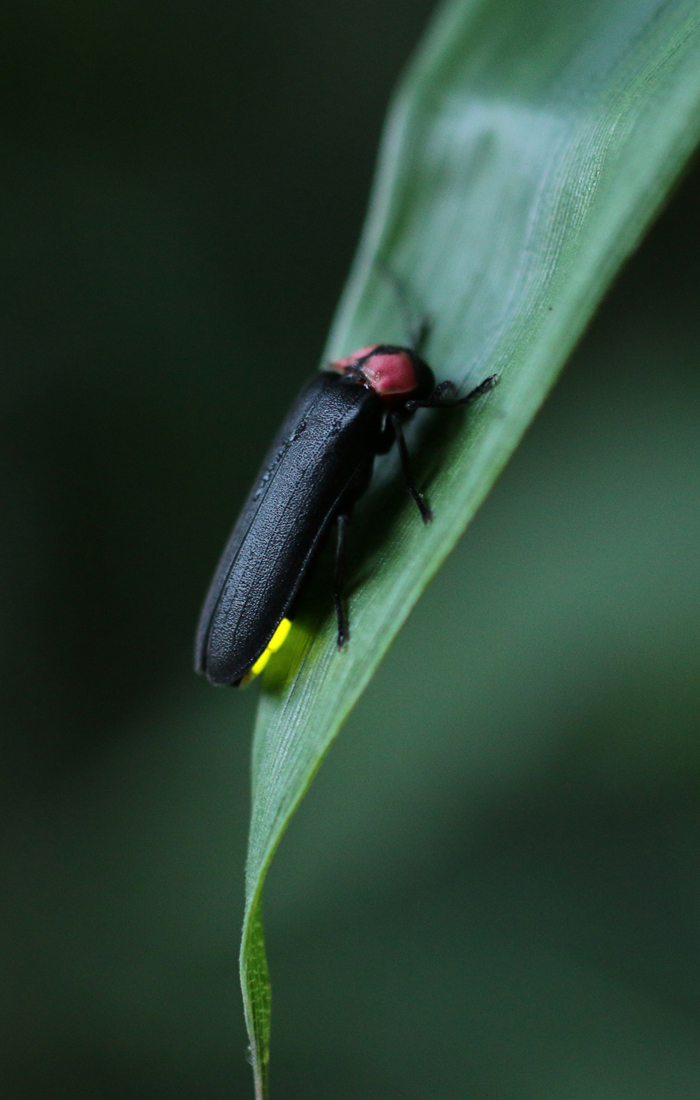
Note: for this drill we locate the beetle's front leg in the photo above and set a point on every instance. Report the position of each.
(437, 399)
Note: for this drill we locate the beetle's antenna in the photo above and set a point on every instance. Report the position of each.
(417, 327)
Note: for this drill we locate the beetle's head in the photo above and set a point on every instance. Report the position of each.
(396, 374)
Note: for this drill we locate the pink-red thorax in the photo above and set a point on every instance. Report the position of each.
(391, 374)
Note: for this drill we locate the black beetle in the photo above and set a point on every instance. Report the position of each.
(319, 464)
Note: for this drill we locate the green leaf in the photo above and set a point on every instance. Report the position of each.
(527, 150)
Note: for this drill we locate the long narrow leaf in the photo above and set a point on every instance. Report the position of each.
(528, 148)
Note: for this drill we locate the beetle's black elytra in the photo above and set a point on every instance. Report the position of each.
(318, 465)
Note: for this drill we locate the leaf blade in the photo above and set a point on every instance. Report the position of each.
(525, 153)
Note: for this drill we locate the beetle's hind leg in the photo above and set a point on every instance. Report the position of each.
(342, 521)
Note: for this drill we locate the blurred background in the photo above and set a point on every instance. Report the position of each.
(492, 890)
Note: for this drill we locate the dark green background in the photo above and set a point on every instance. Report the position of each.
(493, 888)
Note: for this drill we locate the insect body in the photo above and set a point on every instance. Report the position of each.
(318, 465)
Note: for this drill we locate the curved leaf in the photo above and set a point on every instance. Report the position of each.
(527, 150)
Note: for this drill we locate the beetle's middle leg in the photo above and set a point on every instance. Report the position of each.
(426, 514)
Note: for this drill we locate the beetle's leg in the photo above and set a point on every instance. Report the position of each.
(387, 437)
(441, 389)
(435, 401)
(426, 514)
(342, 522)
(483, 387)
